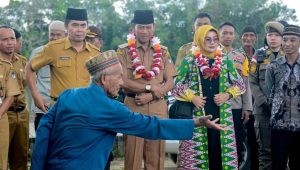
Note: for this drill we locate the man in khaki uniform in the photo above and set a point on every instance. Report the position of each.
(18, 115)
(248, 38)
(241, 105)
(200, 20)
(8, 89)
(94, 36)
(262, 111)
(56, 31)
(145, 90)
(66, 58)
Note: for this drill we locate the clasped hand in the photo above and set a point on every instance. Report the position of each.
(219, 99)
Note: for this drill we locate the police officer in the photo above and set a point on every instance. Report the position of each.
(9, 88)
(148, 74)
(241, 105)
(248, 38)
(271, 51)
(18, 115)
(94, 36)
(56, 31)
(66, 58)
(200, 20)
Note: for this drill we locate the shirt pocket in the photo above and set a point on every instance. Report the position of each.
(64, 63)
(262, 71)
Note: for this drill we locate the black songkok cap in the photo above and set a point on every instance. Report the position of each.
(291, 30)
(248, 29)
(17, 33)
(143, 17)
(76, 14)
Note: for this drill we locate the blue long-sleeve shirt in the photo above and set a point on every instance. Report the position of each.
(79, 130)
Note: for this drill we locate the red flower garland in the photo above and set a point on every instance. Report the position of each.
(140, 70)
(208, 72)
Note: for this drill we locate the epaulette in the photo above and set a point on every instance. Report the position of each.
(186, 45)
(123, 45)
(237, 52)
(59, 41)
(21, 57)
(163, 47)
(92, 46)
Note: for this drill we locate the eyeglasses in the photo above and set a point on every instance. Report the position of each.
(211, 40)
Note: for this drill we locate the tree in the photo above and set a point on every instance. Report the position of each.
(243, 12)
(174, 18)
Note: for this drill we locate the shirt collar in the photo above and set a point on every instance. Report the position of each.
(14, 58)
(139, 45)
(283, 60)
(298, 59)
(69, 45)
(97, 88)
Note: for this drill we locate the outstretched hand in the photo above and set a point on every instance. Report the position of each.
(205, 121)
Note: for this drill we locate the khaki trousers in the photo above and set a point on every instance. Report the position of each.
(4, 141)
(18, 139)
(153, 152)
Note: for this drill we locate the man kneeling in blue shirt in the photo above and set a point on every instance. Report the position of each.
(78, 132)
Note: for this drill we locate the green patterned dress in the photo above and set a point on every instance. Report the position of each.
(209, 149)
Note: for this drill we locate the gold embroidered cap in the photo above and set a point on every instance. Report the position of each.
(102, 61)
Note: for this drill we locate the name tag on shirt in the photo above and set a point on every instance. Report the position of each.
(64, 58)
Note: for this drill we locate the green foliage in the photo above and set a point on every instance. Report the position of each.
(174, 18)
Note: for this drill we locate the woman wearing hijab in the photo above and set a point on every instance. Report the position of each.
(208, 79)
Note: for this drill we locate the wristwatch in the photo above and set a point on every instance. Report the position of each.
(148, 87)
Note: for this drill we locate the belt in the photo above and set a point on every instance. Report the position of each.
(54, 98)
(135, 94)
(16, 108)
(131, 95)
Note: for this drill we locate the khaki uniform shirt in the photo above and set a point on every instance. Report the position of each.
(244, 101)
(66, 64)
(257, 79)
(18, 71)
(8, 81)
(182, 52)
(155, 107)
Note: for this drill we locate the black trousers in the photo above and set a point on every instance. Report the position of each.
(285, 147)
(251, 136)
(240, 133)
(37, 119)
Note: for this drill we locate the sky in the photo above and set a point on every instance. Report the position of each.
(293, 4)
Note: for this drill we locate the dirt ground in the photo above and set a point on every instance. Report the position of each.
(118, 164)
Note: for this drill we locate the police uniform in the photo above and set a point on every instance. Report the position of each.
(241, 103)
(261, 109)
(18, 117)
(67, 65)
(8, 87)
(137, 148)
(182, 52)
